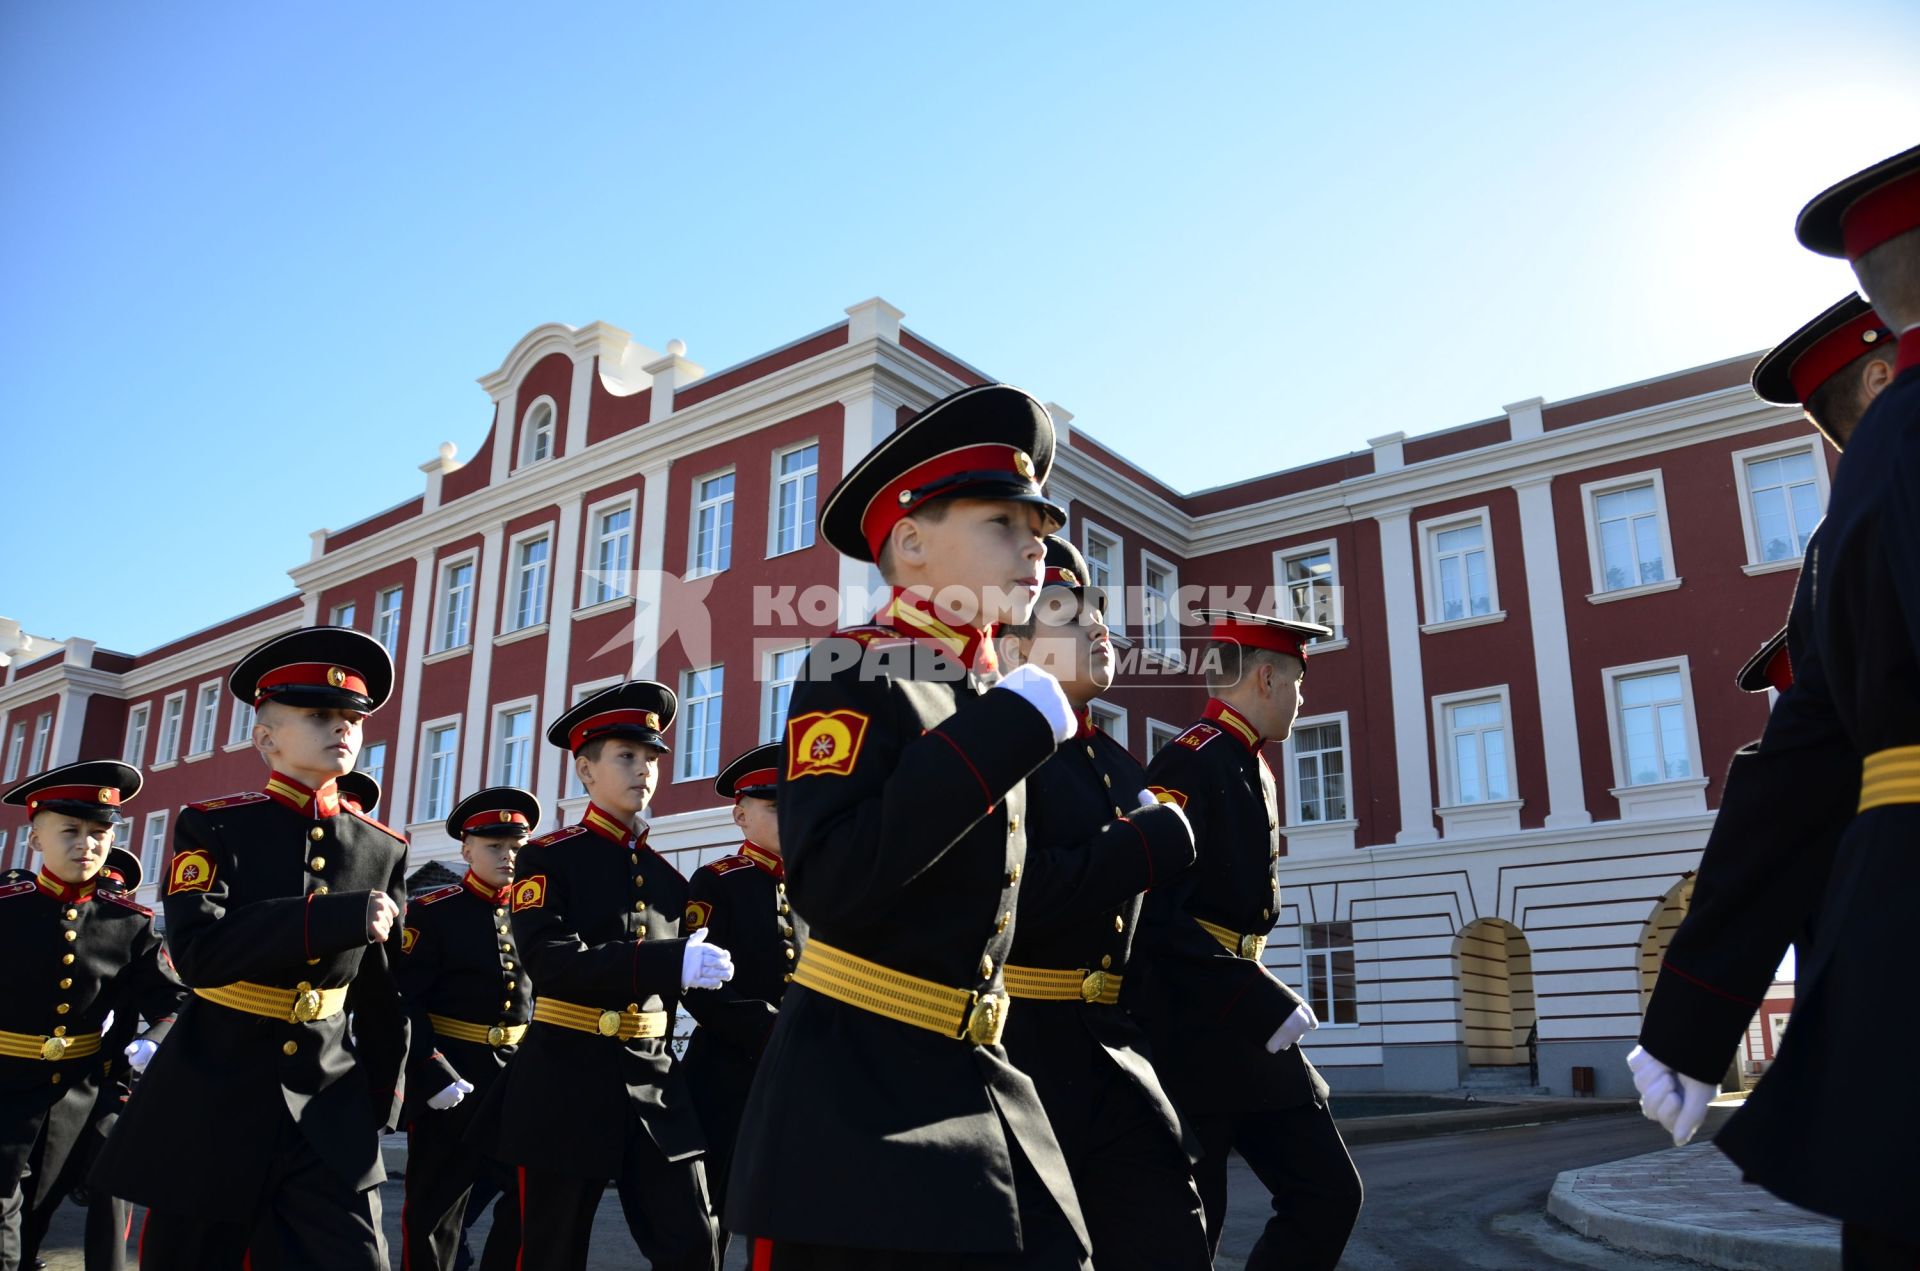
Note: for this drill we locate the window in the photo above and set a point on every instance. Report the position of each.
(6, 857)
(712, 525)
(440, 759)
(1327, 948)
(456, 605)
(1158, 735)
(386, 618)
(1158, 621)
(1784, 494)
(136, 747)
(1319, 757)
(1654, 740)
(1106, 570)
(17, 749)
(612, 553)
(1110, 720)
(1308, 579)
(795, 477)
(240, 730)
(42, 732)
(783, 668)
(344, 615)
(171, 711)
(1457, 567)
(536, 432)
(1628, 545)
(373, 761)
(513, 747)
(700, 722)
(530, 582)
(153, 845)
(206, 709)
(1474, 730)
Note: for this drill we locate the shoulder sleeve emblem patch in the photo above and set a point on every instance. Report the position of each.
(408, 938)
(824, 743)
(1178, 798)
(530, 893)
(191, 871)
(699, 914)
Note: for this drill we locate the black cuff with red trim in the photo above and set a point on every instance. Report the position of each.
(1693, 1027)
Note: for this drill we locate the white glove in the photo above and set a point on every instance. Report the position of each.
(704, 966)
(1040, 690)
(1678, 1102)
(140, 1053)
(1298, 1025)
(452, 1095)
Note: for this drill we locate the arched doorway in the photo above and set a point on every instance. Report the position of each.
(1658, 934)
(1496, 993)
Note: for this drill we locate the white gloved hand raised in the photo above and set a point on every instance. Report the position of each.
(1678, 1102)
(1040, 690)
(704, 966)
(452, 1095)
(140, 1053)
(1298, 1025)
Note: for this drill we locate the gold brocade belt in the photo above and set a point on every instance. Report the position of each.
(51, 1049)
(1043, 984)
(301, 1005)
(495, 1035)
(632, 1024)
(1889, 777)
(1247, 946)
(962, 1014)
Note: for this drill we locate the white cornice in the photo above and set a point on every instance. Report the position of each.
(212, 656)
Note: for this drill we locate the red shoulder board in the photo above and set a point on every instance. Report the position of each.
(560, 835)
(375, 824)
(437, 894)
(18, 889)
(866, 635)
(727, 864)
(229, 801)
(1197, 736)
(124, 901)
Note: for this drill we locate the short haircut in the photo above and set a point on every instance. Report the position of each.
(934, 512)
(1835, 405)
(1229, 661)
(1890, 275)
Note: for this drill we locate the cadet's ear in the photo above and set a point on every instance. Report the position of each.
(740, 815)
(907, 545)
(1877, 375)
(1010, 651)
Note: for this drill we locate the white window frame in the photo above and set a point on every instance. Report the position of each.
(16, 748)
(1115, 723)
(1428, 532)
(349, 609)
(1741, 458)
(240, 725)
(620, 590)
(686, 753)
(399, 611)
(694, 568)
(1306, 974)
(206, 719)
(1592, 490)
(360, 762)
(424, 785)
(526, 458)
(1685, 796)
(1116, 583)
(42, 738)
(1489, 816)
(442, 592)
(497, 742)
(570, 787)
(770, 729)
(133, 747)
(1284, 592)
(775, 481)
(6, 856)
(1164, 731)
(165, 754)
(153, 843)
(1148, 631)
(1317, 838)
(517, 548)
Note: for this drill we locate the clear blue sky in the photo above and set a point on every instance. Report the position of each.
(252, 256)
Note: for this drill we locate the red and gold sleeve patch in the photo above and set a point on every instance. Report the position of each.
(1178, 798)
(192, 870)
(408, 938)
(699, 914)
(824, 743)
(530, 893)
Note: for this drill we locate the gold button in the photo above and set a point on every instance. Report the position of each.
(290, 1048)
(1000, 927)
(633, 1008)
(1117, 811)
(61, 1009)
(1274, 855)
(789, 955)
(639, 906)
(787, 930)
(1107, 779)
(1089, 752)
(66, 959)
(1013, 824)
(60, 1031)
(986, 968)
(317, 864)
(1267, 914)
(71, 935)
(502, 911)
(72, 914)
(507, 1005)
(787, 978)
(507, 965)
(784, 909)
(56, 1078)
(1119, 923)
(1013, 875)
(1106, 961)
(320, 890)
(316, 834)
(635, 858)
(67, 983)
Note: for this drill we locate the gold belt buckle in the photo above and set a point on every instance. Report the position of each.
(609, 1023)
(985, 1019)
(1253, 946)
(306, 1004)
(496, 1036)
(1093, 986)
(54, 1048)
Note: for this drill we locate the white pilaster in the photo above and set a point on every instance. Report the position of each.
(506, 413)
(553, 693)
(1401, 583)
(868, 419)
(652, 558)
(436, 469)
(595, 344)
(669, 373)
(1552, 662)
(1525, 419)
(400, 751)
(873, 319)
(478, 721)
(1389, 454)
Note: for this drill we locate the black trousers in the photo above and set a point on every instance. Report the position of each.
(665, 1203)
(1300, 1158)
(311, 1220)
(108, 1217)
(441, 1175)
(1135, 1184)
(1864, 1250)
(718, 1085)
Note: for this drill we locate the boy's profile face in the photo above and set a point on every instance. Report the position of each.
(1071, 640)
(759, 821)
(984, 555)
(312, 743)
(622, 778)
(75, 848)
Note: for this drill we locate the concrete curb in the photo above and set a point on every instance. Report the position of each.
(1479, 1116)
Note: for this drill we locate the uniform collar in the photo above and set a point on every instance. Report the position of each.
(493, 896)
(764, 859)
(69, 892)
(303, 798)
(608, 826)
(1087, 727)
(914, 615)
(1234, 722)
(1909, 356)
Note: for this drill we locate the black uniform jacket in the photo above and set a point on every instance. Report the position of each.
(71, 955)
(458, 960)
(741, 901)
(268, 889)
(1815, 1132)
(1211, 1012)
(596, 914)
(901, 818)
(1091, 856)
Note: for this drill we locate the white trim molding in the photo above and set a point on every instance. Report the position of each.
(1590, 493)
(1407, 677)
(1676, 796)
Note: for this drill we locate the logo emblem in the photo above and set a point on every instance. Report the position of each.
(506, 818)
(1177, 798)
(653, 720)
(1023, 464)
(336, 676)
(530, 893)
(824, 743)
(699, 914)
(191, 871)
(107, 794)
(408, 938)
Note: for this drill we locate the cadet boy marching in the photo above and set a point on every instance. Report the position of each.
(1226, 1030)
(469, 999)
(740, 901)
(74, 951)
(279, 905)
(886, 1127)
(1097, 840)
(594, 1094)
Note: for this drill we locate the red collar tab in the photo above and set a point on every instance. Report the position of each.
(74, 794)
(64, 891)
(1880, 214)
(492, 895)
(949, 473)
(1258, 635)
(1909, 351)
(764, 859)
(1234, 722)
(1087, 727)
(583, 732)
(914, 615)
(1834, 352)
(606, 825)
(309, 675)
(493, 819)
(301, 798)
(757, 778)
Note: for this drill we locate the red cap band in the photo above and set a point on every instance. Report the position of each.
(1834, 352)
(1258, 635)
(1061, 576)
(583, 730)
(1880, 214)
(309, 675)
(758, 777)
(494, 819)
(1780, 669)
(75, 794)
(899, 497)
